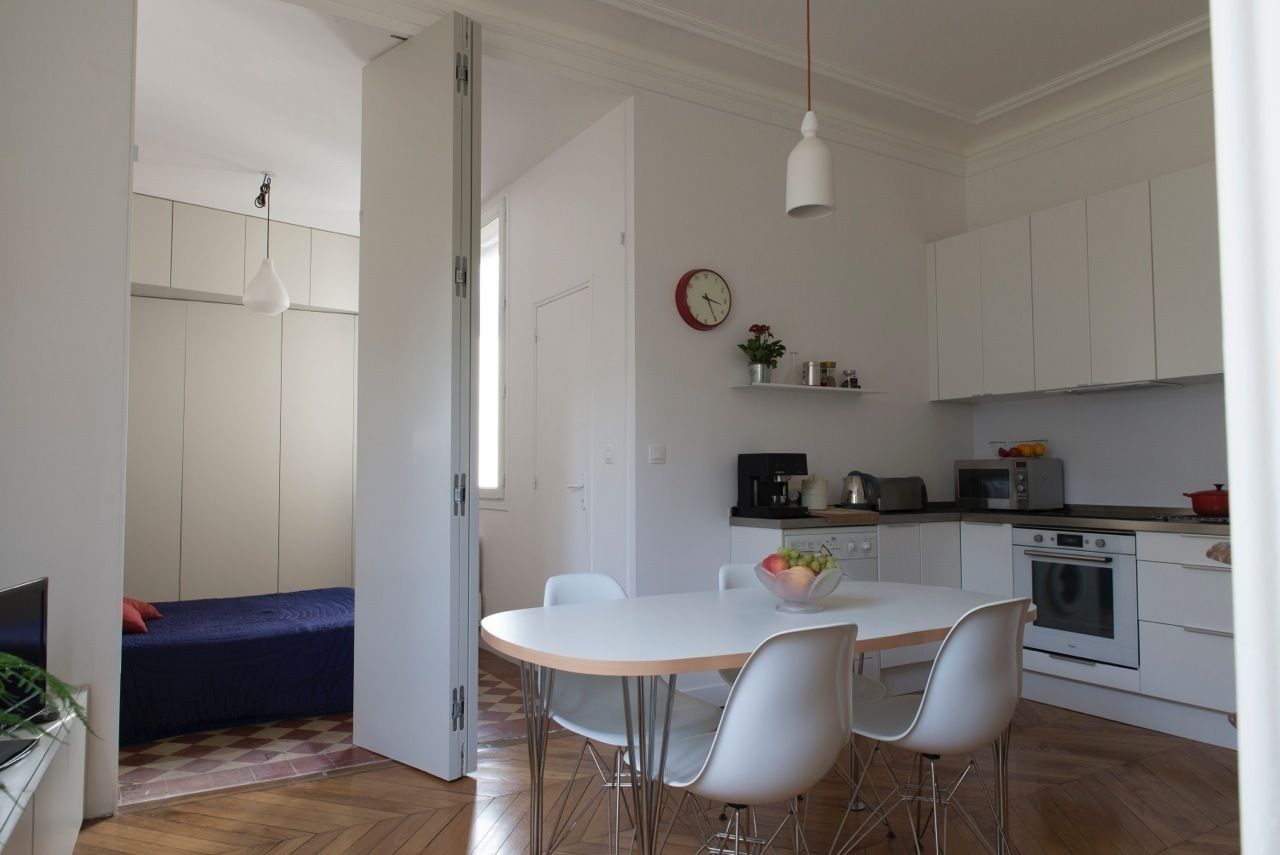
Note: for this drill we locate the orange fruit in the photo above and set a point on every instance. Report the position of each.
(1026, 448)
(1039, 449)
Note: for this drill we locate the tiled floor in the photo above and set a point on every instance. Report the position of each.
(236, 756)
(239, 756)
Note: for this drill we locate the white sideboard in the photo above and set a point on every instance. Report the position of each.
(43, 804)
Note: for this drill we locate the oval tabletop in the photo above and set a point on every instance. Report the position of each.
(707, 630)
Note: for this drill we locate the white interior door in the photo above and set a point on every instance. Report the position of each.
(562, 467)
(415, 556)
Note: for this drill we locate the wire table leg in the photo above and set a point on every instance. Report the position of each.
(536, 683)
(648, 729)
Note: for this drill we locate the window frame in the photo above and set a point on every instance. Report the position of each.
(494, 498)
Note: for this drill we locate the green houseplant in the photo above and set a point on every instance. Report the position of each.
(763, 352)
(19, 679)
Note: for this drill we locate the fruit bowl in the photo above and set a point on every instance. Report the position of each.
(799, 589)
(1022, 448)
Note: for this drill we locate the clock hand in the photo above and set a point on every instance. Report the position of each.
(709, 300)
(710, 307)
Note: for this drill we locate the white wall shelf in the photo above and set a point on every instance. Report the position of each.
(798, 387)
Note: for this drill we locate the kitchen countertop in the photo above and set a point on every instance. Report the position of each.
(1101, 517)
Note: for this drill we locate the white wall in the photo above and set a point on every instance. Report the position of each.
(709, 192)
(1141, 447)
(564, 218)
(66, 109)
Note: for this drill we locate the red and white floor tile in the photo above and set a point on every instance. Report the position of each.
(238, 756)
(254, 753)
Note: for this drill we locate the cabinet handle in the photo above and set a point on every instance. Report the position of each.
(1217, 633)
(1076, 659)
(1208, 567)
(897, 525)
(1204, 536)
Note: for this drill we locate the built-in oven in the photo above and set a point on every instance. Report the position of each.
(1009, 483)
(1085, 588)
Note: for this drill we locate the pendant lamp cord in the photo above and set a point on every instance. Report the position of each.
(264, 200)
(808, 53)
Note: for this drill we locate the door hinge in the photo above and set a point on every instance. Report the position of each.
(460, 276)
(460, 494)
(458, 708)
(461, 72)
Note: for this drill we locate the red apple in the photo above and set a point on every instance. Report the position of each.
(775, 563)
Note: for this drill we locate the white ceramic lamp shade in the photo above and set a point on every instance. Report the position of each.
(810, 174)
(265, 292)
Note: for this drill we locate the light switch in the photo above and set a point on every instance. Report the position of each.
(608, 454)
(657, 454)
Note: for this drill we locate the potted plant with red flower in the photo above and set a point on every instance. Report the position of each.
(763, 352)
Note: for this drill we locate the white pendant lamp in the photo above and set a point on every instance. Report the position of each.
(811, 190)
(265, 293)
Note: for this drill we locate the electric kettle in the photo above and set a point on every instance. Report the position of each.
(860, 491)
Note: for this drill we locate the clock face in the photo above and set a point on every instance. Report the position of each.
(703, 299)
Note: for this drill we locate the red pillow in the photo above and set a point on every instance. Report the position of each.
(148, 611)
(133, 622)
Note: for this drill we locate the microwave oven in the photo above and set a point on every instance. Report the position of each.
(1010, 484)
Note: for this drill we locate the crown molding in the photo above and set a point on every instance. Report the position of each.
(658, 11)
(623, 68)
(663, 14)
(1101, 66)
(1190, 84)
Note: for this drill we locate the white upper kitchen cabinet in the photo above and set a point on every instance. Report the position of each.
(208, 250)
(150, 240)
(958, 280)
(1008, 353)
(1060, 296)
(290, 250)
(335, 271)
(986, 558)
(1122, 333)
(1184, 251)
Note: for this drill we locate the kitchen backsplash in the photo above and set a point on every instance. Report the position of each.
(1133, 447)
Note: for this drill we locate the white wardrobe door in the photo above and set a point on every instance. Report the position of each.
(153, 500)
(317, 435)
(231, 454)
(208, 250)
(335, 271)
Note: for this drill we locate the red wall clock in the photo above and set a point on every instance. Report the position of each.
(703, 299)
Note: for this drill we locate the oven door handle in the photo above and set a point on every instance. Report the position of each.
(1070, 559)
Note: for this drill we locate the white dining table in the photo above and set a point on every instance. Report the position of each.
(644, 639)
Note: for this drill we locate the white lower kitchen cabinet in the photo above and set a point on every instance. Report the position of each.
(918, 553)
(986, 555)
(1189, 665)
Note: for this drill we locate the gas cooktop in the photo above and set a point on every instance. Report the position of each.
(1188, 518)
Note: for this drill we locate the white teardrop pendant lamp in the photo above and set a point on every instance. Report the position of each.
(265, 293)
(811, 190)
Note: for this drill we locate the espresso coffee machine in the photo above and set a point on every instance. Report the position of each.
(763, 485)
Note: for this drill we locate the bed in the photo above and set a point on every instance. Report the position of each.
(222, 662)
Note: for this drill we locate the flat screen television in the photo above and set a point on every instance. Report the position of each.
(23, 632)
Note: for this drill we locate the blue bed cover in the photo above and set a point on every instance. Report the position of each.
(221, 662)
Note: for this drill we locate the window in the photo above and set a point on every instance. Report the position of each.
(491, 384)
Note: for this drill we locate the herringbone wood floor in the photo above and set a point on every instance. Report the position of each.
(1079, 785)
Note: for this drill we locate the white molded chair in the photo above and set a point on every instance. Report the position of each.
(591, 705)
(761, 753)
(735, 576)
(967, 704)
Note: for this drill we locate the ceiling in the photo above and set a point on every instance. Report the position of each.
(228, 88)
(970, 60)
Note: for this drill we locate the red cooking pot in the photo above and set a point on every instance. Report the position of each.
(1210, 503)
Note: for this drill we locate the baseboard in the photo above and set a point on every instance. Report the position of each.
(1196, 723)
